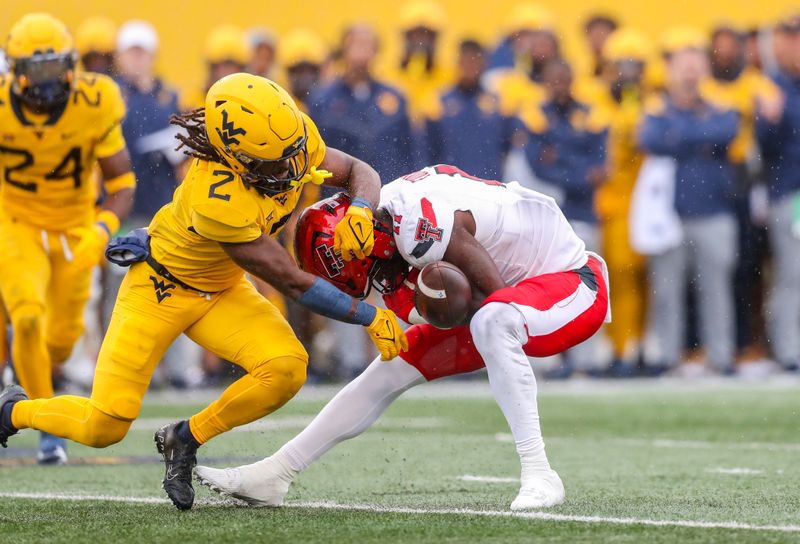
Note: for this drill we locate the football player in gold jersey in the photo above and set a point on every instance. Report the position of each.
(56, 124)
(254, 150)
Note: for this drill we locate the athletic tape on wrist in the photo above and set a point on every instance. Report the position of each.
(325, 299)
(361, 203)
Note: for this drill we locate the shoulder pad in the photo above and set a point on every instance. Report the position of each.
(102, 95)
(219, 193)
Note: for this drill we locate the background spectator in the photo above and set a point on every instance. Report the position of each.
(533, 42)
(470, 131)
(685, 126)
(226, 52)
(263, 51)
(421, 74)
(361, 115)
(598, 29)
(735, 86)
(567, 148)
(626, 55)
(302, 54)
(95, 40)
(779, 136)
(150, 104)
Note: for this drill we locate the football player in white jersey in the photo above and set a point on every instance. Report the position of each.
(536, 292)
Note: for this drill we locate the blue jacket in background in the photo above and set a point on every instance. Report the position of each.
(698, 140)
(149, 113)
(503, 55)
(471, 133)
(373, 127)
(780, 144)
(563, 151)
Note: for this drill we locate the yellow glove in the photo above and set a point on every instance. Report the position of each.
(92, 241)
(353, 235)
(387, 335)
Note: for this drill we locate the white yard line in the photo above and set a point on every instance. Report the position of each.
(671, 443)
(77, 498)
(735, 471)
(544, 516)
(487, 479)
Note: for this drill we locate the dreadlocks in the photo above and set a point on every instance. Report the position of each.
(196, 139)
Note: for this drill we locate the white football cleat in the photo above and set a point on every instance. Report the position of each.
(540, 489)
(264, 483)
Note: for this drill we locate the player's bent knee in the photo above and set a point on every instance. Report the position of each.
(103, 430)
(28, 319)
(284, 375)
(491, 322)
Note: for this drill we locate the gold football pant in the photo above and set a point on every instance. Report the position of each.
(237, 324)
(3, 337)
(628, 279)
(44, 296)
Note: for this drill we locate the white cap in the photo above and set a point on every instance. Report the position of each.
(137, 33)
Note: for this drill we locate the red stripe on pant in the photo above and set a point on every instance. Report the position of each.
(438, 353)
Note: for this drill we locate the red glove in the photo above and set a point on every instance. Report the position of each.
(401, 302)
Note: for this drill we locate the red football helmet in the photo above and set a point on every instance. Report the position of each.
(313, 247)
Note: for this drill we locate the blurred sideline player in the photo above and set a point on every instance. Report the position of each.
(56, 124)
(626, 55)
(225, 52)
(95, 40)
(536, 292)
(253, 152)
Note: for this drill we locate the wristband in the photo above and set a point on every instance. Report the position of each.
(123, 181)
(361, 202)
(325, 299)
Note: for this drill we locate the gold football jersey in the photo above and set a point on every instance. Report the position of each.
(214, 205)
(47, 161)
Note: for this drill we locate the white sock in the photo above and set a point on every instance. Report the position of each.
(279, 464)
(352, 411)
(499, 333)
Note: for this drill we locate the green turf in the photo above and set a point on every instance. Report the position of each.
(609, 449)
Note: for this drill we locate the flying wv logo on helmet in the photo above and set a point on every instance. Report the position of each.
(229, 130)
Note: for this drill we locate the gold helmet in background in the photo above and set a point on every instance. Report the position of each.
(42, 59)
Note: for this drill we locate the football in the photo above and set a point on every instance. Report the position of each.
(443, 295)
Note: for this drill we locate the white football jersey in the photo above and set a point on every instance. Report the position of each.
(523, 231)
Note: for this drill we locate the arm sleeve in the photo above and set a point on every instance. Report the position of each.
(656, 137)
(719, 128)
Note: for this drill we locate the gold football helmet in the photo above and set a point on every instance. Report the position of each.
(42, 60)
(256, 126)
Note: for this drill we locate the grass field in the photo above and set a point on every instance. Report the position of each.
(642, 462)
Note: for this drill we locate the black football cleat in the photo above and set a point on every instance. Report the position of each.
(11, 394)
(179, 458)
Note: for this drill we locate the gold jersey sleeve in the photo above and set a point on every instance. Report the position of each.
(214, 205)
(47, 161)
